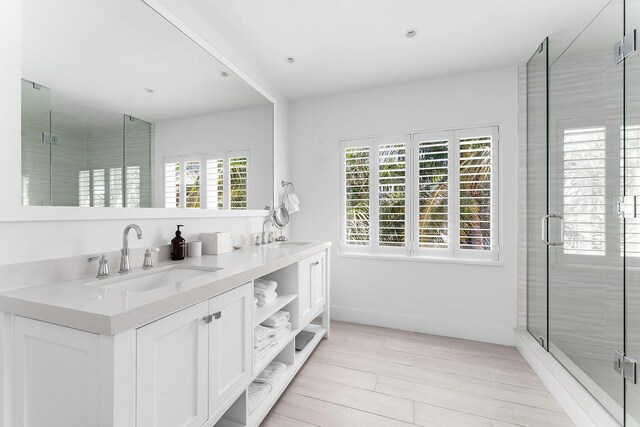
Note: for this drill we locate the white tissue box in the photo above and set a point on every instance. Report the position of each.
(215, 243)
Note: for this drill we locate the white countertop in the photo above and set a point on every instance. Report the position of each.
(84, 303)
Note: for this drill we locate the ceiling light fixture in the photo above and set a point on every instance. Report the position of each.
(411, 33)
(289, 59)
(224, 74)
(148, 90)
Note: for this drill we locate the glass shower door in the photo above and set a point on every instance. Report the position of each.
(537, 78)
(586, 263)
(631, 174)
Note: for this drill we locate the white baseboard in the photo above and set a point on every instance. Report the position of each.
(496, 334)
(583, 409)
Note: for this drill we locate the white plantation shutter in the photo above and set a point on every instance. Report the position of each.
(392, 203)
(133, 186)
(432, 197)
(192, 184)
(84, 189)
(98, 188)
(115, 187)
(238, 183)
(356, 194)
(215, 183)
(584, 201)
(435, 195)
(172, 184)
(477, 196)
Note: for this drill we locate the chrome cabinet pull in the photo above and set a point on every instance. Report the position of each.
(209, 318)
(315, 263)
(545, 230)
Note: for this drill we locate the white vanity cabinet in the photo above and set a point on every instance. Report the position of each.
(312, 285)
(192, 363)
(171, 370)
(230, 337)
(190, 368)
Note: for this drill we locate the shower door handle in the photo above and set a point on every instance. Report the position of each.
(545, 230)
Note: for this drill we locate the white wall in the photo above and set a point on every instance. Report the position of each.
(462, 300)
(243, 129)
(53, 237)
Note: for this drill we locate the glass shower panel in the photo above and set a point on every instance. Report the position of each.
(585, 258)
(137, 161)
(36, 145)
(537, 78)
(631, 174)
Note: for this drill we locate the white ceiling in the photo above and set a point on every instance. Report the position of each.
(101, 54)
(342, 45)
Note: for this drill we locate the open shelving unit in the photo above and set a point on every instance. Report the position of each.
(288, 300)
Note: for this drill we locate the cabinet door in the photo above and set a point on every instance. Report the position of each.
(172, 370)
(318, 281)
(56, 375)
(311, 285)
(229, 345)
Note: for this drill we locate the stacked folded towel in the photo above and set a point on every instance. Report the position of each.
(279, 324)
(282, 331)
(279, 318)
(265, 291)
(257, 392)
(265, 381)
(264, 339)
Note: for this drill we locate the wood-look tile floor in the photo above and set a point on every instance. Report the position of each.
(370, 376)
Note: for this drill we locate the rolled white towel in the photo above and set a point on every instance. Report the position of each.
(271, 374)
(262, 334)
(277, 319)
(267, 285)
(256, 394)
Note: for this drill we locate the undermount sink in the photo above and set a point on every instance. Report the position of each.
(144, 281)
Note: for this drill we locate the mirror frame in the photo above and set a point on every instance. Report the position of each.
(11, 208)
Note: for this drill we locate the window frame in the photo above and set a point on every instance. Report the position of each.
(411, 248)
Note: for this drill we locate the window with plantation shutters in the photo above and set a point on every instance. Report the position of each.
(356, 169)
(430, 194)
(475, 196)
(392, 204)
(215, 183)
(207, 181)
(432, 186)
(238, 180)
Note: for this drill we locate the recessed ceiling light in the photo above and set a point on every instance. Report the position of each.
(224, 74)
(289, 59)
(148, 90)
(411, 33)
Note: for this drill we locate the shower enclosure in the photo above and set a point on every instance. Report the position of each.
(583, 207)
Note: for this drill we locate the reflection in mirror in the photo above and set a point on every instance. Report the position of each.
(121, 109)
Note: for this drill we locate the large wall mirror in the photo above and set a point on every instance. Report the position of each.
(122, 109)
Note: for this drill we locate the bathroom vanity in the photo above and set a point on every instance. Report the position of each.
(171, 346)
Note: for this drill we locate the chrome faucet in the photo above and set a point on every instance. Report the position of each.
(125, 266)
(103, 268)
(264, 234)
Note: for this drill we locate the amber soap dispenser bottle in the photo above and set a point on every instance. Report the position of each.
(178, 246)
